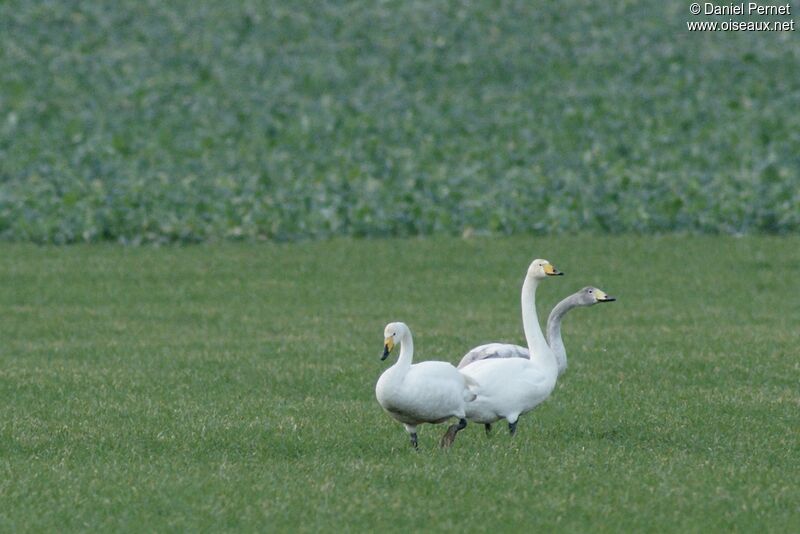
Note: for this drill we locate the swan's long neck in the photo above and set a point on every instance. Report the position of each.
(406, 352)
(554, 331)
(537, 345)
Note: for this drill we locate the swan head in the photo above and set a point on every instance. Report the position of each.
(540, 269)
(589, 295)
(393, 334)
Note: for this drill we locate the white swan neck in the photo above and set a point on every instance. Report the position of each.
(537, 345)
(406, 352)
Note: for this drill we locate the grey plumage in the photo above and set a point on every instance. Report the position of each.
(588, 296)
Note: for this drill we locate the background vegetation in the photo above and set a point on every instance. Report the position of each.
(141, 121)
(203, 389)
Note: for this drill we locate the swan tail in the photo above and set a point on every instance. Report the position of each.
(471, 392)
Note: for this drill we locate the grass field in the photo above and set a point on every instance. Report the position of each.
(198, 120)
(230, 387)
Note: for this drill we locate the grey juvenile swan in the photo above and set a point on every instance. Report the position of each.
(588, 296)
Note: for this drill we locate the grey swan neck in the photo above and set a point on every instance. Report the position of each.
(554, 330)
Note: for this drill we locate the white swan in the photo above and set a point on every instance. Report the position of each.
(588, 296)
(510, 387)
(427, 392)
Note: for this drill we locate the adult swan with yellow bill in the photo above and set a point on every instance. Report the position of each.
(511, 387)
(426, 392)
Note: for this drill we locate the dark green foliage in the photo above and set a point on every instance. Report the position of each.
(230, 388)
(188, 121)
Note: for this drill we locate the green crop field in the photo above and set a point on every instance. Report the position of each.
(230, 387)
(143, 121)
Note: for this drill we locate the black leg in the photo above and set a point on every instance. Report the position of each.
(488, 428)
(512, 428)
(450, 436)
(414, 439)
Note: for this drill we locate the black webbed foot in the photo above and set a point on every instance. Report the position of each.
(512, 428)
(450, 436)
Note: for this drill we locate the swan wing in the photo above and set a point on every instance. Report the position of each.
(493, 350)
(431, 392)
(508, 383)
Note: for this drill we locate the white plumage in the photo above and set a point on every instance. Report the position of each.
(510, 387)
(427, 392)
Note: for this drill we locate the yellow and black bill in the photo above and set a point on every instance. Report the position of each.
(550, 270)
(602, 296)
(388, 345)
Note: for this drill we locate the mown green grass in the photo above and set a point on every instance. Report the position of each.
(198, 120)
(231, 387)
